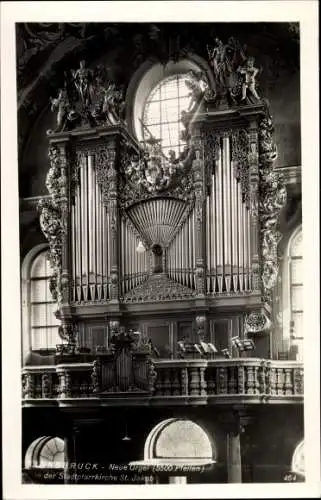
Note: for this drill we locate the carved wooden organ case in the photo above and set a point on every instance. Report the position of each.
(207, 222)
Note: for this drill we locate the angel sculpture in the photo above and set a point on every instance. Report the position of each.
(218, 61)
(196, 93)
(82, 79)
(62, 104)
(172, 156)
(186, 117)
(249, 73)
(113, 103)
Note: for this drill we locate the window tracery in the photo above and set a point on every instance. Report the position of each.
(45, 452)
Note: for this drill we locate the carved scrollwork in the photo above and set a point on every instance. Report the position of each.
(53, 218)
(256, 322)
(150, 173)
(76, 164)
(272, 199)
(240, 151)
(68, 331)
(159, 288)
(105, 171)
(53, 178)
(53, 228)
(211, 141)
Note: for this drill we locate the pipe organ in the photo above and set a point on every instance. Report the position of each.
(181, 253)
(228, 228)
(107, 233)
(128, 227)
(90, 244)
(134, 264)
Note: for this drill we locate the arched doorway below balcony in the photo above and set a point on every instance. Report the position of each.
(169, 456)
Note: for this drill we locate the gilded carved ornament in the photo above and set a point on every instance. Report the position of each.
(151, 174)
(272, 198)
(52, 220)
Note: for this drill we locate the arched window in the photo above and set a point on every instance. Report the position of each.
(167, 445)
(158, 94)
(45, 452)
(40, 326)
(292, 285)
(162, 113)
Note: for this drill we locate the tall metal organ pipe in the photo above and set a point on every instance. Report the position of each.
(181, 253)
(134, 265)
(227, 228)
(89, 237)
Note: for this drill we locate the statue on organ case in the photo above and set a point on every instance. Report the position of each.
(249, 73)
(87, 97)
(82, 79)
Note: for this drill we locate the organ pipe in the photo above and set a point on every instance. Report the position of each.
(227, 228)
(89, 235)
(181, 253)
(227, 239)
(134, 265)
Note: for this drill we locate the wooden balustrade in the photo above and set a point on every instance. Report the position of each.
(246, 380)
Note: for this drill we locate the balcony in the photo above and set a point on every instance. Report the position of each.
(173, 382)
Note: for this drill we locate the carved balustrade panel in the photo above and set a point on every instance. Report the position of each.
(248, 380)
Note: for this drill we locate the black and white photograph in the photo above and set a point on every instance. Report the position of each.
(162, 331)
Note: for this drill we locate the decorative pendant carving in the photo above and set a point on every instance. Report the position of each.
(256, 323)
(53, 219)
(52, 227)
(272, 199)
(151, 173)
(68, 331)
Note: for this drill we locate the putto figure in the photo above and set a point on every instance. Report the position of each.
(249, 72)
(62, 105)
